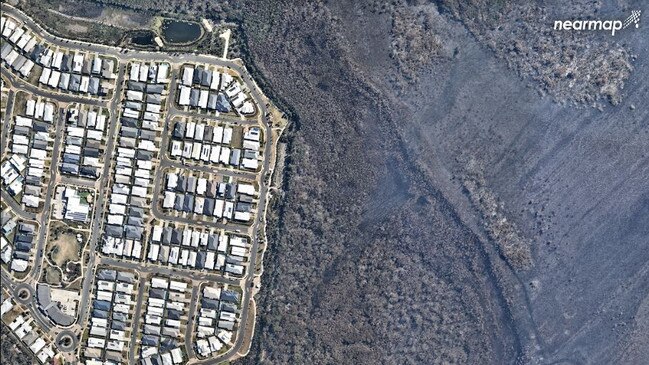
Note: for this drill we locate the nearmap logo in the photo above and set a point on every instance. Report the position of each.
(595, 25)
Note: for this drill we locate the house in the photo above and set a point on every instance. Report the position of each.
(228, 325)
(19, 265)
(154, 88)
(198, 75)
(235, 157)
(202, 99)
(188, 75)
(96, 65)
(184, 96)
(179, 130)
(230, 296)
(222, 104)
(163, 73)
(93, 86)
(107, 68)
(193, 97)
(206, 78)
(75, 83)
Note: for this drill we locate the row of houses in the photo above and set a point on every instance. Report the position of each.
(17, 45)
(199, 249)
(109, 325)
(76, 83)
(138, 147)
(24, 172)
(204, 99)
(84, 141)
(15, 251)
(149, 73)
(27, 331)
(192, 194)
(210, 90)
(216, 320)
(165, 320)
(213, 144)
(9, 223)
(207, 78)
(62, 70)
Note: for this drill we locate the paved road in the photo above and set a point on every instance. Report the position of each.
(237, 174)
(99, 203)
(7, 280)
(147, 268)
(175, 112)
(9, 283)
(44, 216)
(17, 208)
(191, 321)
(8, 115)
(123, 56)
(263, 190)
(137, 314)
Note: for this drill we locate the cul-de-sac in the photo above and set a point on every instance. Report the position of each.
(134, 190)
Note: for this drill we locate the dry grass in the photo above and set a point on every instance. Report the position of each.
(52, 275)
(63, 245)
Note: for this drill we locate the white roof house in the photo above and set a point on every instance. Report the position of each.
(184, 95)
(169, 199)
(19, 265)
(134, 75)
(159, 283)
(188, 75)
(163, 73)
(77, 62)
(96, 65)
(247, 189)
(227, 135)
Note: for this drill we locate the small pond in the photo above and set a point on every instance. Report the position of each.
(143, 38)
(180, 32)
